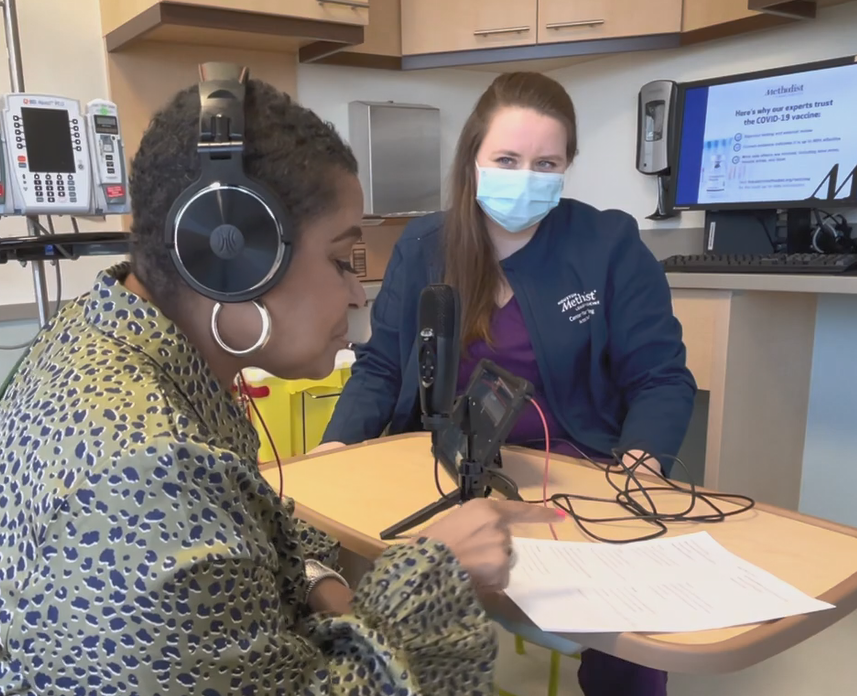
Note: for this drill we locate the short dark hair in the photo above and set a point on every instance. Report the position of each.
(287, 147)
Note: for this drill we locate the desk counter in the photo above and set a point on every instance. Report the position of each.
(774, 354)
(761, 282)
(355, 492)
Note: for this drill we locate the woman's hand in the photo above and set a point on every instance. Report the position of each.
(478, 534)
(330, 597)
(644, 463)
(326, 447)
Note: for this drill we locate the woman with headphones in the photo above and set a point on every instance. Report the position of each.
(553, 290)
(141, 551)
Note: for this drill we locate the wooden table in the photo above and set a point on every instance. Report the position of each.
(355, 492)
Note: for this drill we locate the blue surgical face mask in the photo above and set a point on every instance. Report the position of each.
(517, 199)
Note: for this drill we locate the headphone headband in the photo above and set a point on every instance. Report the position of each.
(222, 90)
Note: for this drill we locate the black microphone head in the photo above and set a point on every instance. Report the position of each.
(440, 308)
(439, 350)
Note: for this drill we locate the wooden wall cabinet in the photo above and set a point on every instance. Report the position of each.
(700, 14)
(540, 34)
(582, 20)
(798, 9)
(116, 12)
(794, 9)
(382, 43)
(436, 26)
(706, 21)
(254, 24)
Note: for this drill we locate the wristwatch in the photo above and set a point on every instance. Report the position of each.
(316, 572)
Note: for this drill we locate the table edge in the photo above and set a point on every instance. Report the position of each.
(749, 648)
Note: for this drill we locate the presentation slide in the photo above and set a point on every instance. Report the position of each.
(775, 139)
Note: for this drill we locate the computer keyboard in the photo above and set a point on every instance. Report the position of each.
(786, 264)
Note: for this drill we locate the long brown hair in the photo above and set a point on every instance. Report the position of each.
(471, 264)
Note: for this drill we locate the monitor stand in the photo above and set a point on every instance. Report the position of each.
(758, 232)
(799, 228)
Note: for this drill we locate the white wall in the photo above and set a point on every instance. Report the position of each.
(327, 90)
(62, 54)
(14, 333)
(605, 94)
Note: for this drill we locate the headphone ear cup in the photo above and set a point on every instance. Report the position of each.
(825, 237)
(230, 243)
(228, 236)
(821, 242)
(832, 235)
(849, 244)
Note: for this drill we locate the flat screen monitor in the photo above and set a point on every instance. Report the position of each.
(768, 140)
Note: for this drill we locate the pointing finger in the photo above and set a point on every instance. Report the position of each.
(517, 512)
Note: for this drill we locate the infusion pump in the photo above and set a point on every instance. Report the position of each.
(58, 160)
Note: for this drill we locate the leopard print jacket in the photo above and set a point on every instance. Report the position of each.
(141, 552)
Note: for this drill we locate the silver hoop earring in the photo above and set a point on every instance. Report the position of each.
(260, 342)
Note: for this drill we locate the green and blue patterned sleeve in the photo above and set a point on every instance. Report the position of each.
(179, 571)
(317, 545)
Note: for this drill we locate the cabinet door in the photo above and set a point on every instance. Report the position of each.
(383, 35)
(699, 14)
(435, 26)
(581, 20)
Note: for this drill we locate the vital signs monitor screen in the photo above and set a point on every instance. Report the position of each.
(48, 140)
(774, 141)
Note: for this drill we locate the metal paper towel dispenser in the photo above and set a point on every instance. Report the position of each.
(398, 151)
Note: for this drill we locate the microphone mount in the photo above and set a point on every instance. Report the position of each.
(467, 442)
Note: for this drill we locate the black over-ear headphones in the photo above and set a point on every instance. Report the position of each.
(832, 235)
(228, 235)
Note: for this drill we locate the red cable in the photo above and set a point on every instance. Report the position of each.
(547, 460)
(244, 392)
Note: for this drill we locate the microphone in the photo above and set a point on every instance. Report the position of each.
(438, 352)
(453, 431)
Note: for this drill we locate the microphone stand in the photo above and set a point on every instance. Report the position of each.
(475, 478)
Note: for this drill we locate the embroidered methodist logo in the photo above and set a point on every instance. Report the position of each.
(580, 306)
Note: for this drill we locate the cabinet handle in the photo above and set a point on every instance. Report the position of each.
(506, 30)
(346, 3)
(578, 23)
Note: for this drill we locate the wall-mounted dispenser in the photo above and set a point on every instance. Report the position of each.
(656, 110)
(398, 150)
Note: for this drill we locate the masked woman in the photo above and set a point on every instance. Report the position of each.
(552, 290)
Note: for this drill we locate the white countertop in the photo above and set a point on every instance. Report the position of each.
(760, 282)
(763, 282)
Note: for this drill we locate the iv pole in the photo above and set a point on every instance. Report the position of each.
(16, 77)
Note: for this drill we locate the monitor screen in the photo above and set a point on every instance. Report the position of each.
(491, 396)
(772, 141)
(48, 137)
(491, 405)
(106, 124)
